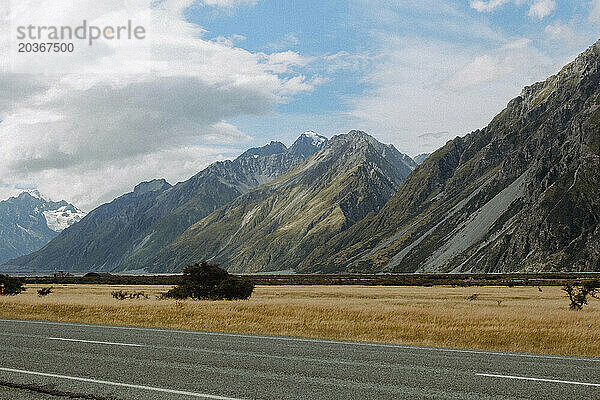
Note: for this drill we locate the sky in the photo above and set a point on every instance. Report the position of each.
(214, 77)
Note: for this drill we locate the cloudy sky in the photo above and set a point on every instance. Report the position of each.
(213, 77)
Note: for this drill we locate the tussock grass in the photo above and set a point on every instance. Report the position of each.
(499, 318)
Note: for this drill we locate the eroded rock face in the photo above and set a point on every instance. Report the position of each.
(522, 194)
(276, 226)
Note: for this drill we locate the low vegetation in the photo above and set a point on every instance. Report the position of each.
(122, 295)
(10, 286)
(511, 279)
(579, 295)
(45, 291)
(527, 320)
(206, 281)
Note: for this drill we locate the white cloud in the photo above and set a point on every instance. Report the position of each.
(595, 12)
(484, 68)
(563, 34)
(284, 61)
(541, 8)
(344, 60)
(517, 44)
(229, 3)
(413, 93)
(538, 8)
(117, 107)
(9, 190)
(486, 6)
(289, 40)
(229, 41)
(89, 186)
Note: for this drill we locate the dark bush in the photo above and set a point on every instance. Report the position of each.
(45, 291)
(234, 288)
(578, 295)
(179, 292)
(472, 297)
(119, 294)
(208, 281)
(10, 286)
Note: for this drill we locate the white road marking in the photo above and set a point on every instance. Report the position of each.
(310, 340)
(221, 352)
(94, 342)
(119, 384)
(524, 378)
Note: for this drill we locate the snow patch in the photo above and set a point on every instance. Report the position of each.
(63, 217)
(315, 137)
(25, 230)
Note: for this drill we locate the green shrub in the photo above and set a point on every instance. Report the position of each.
(208, 281)
(10, 286)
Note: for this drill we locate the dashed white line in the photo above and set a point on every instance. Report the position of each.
(94, 342)
(525, 378)
(311, 340)
(119, 384)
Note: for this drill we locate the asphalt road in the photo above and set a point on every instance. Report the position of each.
(46, 360)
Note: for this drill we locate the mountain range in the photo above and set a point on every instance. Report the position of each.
(521, 194)
(123, 234)
(277, 225)
(29, 221)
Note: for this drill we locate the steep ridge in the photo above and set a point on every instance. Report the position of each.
(277, 225)
(218, 185)
(99, 239)
(30, 221)
(306, 143)
(522, 194)
(421, 157)
(121, 235)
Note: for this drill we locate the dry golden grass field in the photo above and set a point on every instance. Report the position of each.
(500, 318)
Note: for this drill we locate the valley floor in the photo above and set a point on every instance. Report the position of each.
(519, 319)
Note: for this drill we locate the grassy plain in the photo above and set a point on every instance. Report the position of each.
(520, 319)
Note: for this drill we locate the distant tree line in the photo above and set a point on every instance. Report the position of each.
(10, 286)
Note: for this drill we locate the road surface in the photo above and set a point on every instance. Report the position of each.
(47, 360)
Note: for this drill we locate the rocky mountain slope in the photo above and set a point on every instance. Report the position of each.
(29, 221)
(306, 143)
(123, 234)
(522, 194)
(421, 157)
(277, 225)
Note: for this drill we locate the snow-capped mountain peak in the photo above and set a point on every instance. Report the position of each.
(315, 137)
(308, 144)
(35, 194)
(61, 218)
(30, 220)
